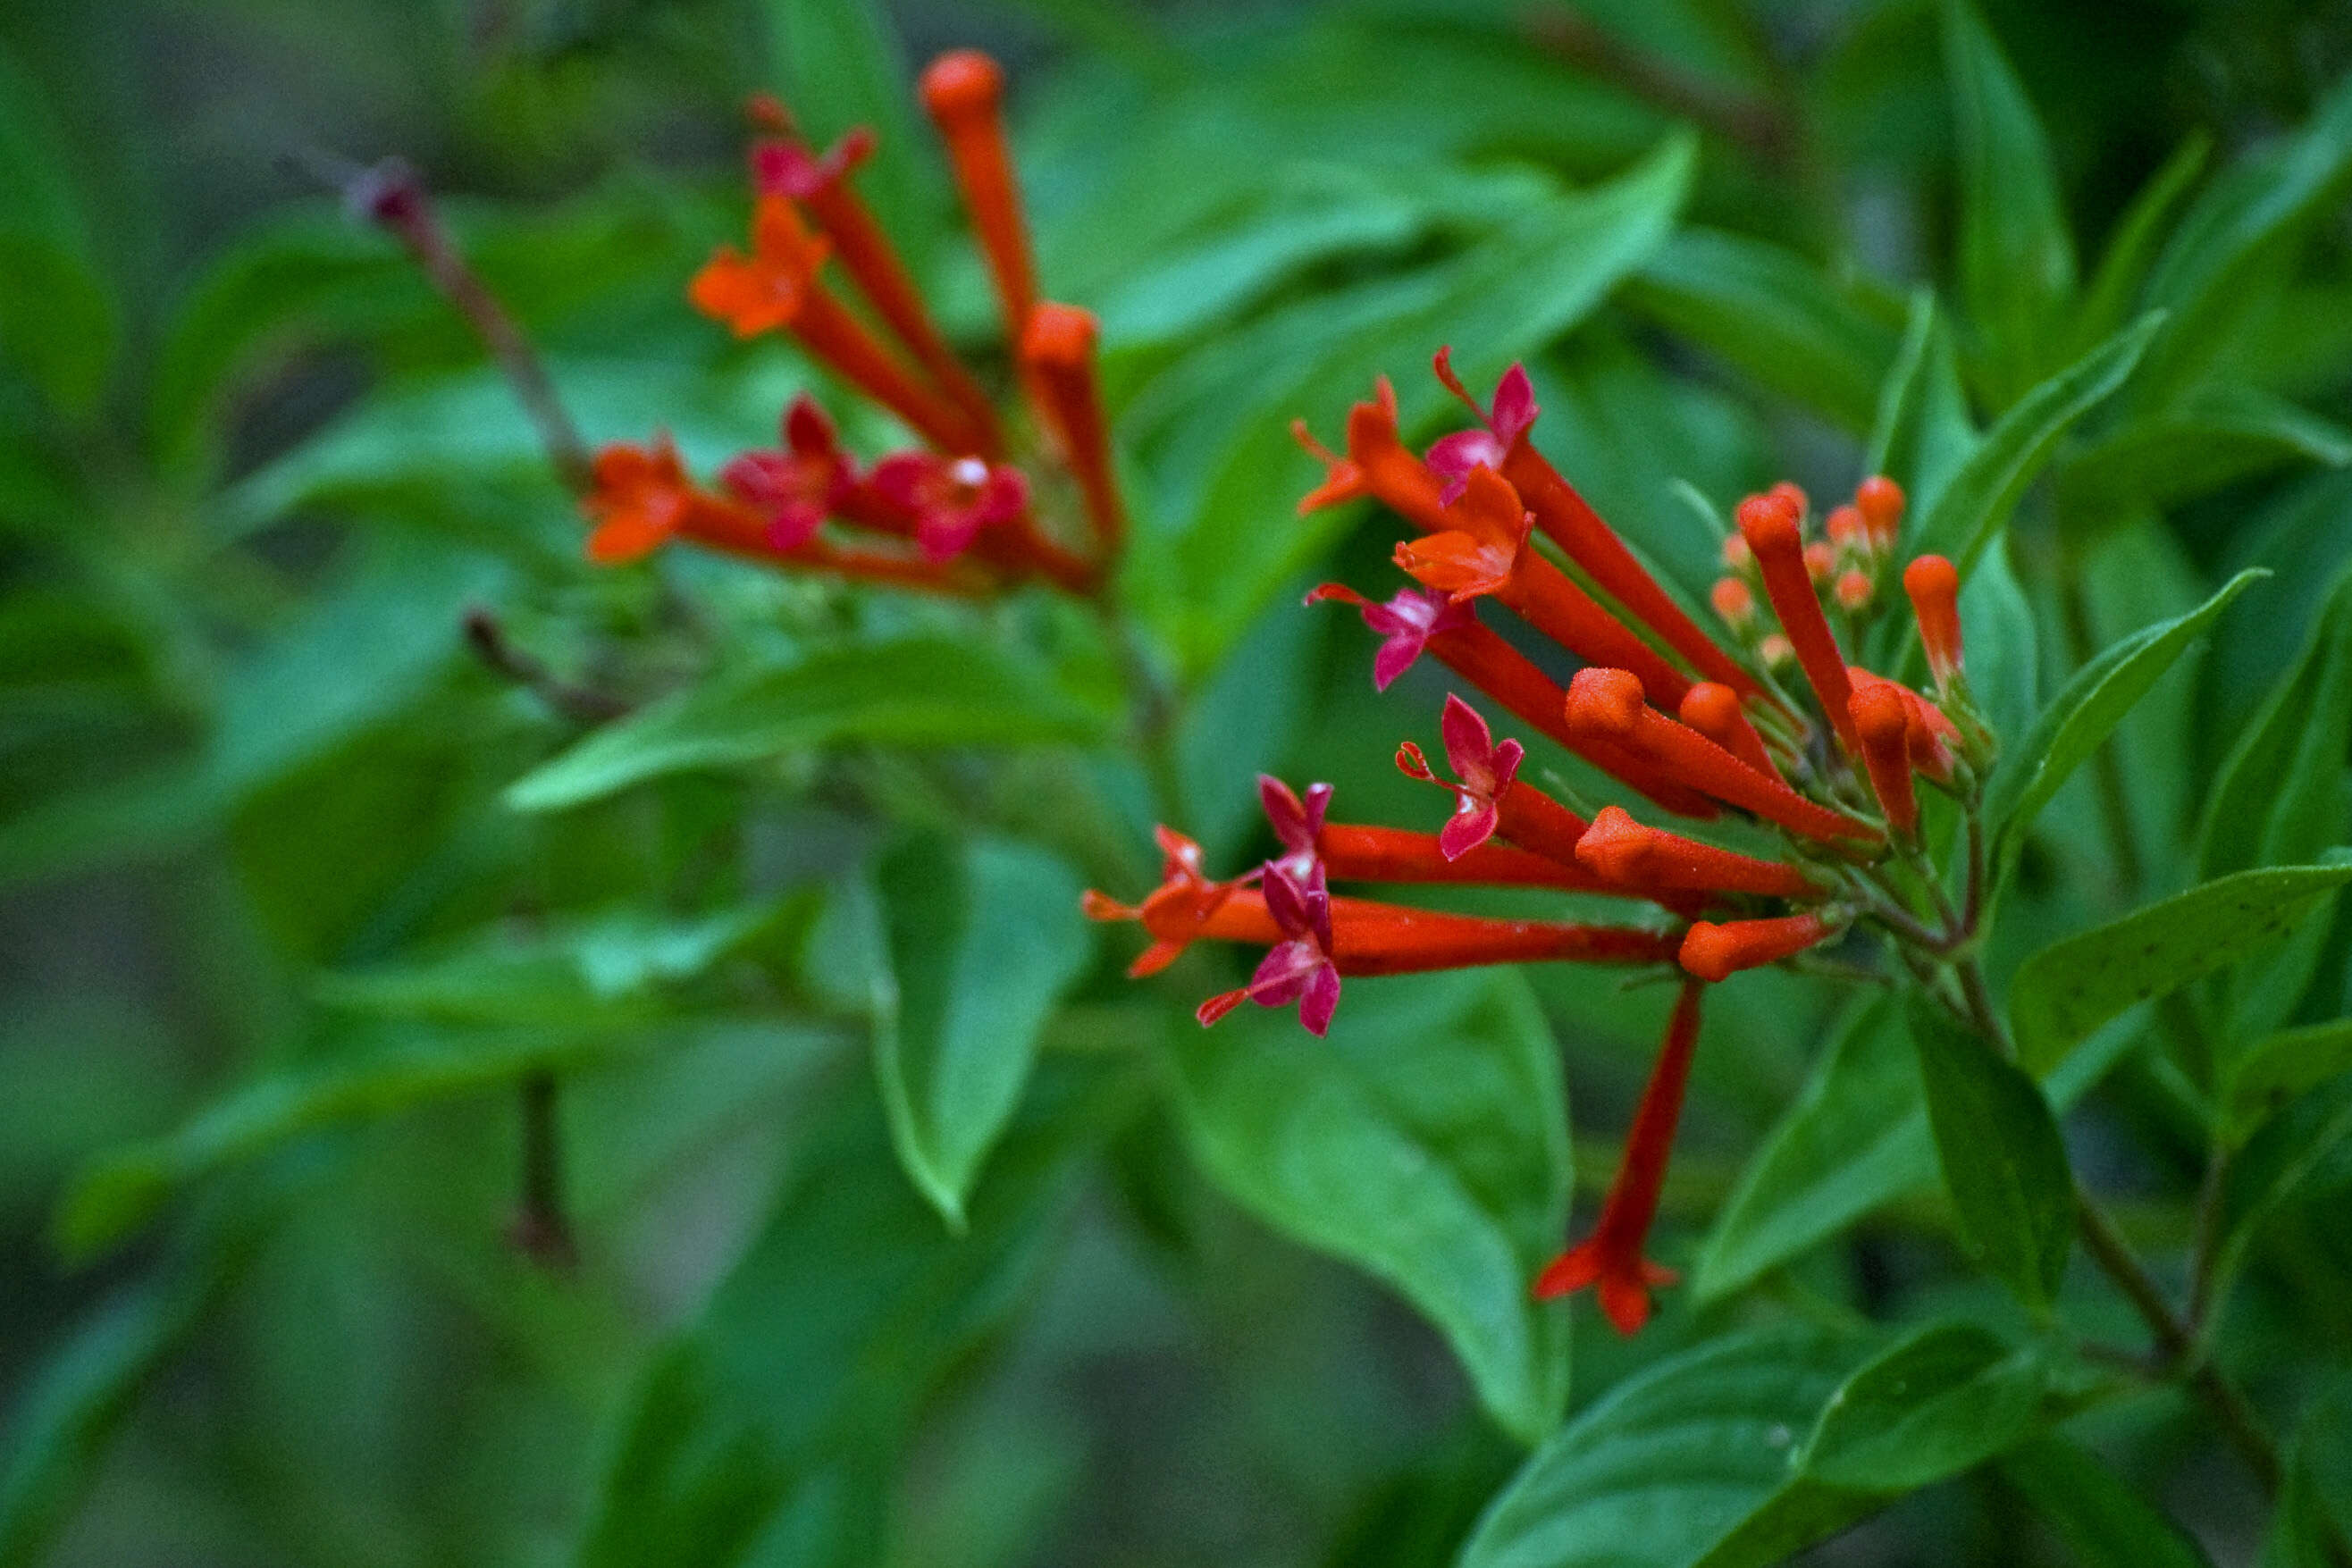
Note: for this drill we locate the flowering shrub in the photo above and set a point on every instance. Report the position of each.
(590, 770)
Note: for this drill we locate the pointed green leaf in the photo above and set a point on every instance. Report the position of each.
(58, 319)
(1426, 1140)
(1944, 1400)
(2283, 794)
(2084, 715)
(2312, 1522)
(2215, 436)
(2003, 1161)
(2017, 259)
(2072, 987)
(2103, 1519)
(2132, 244)
(983, 938)
(2262, 1077)
(1984, 490)
(916, 692)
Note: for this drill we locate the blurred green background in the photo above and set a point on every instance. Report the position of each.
(277, 953)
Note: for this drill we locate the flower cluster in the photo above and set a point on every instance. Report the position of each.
(1694, 726)
(957, 513)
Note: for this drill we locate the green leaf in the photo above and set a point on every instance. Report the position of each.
(1772, 314)
(2247, 217)
(2084, 715)
(1672, 1461)
(2132, 244)
(1896, 407)
(2003, 646)
(983, 937)
(2104, 1520)
(2313, 1521)
(71, 1403)
(915, 692)
(1944, 1400)
(2262, 1077)
(1855, 1139)
(2070, 987)
(767, 1431)
(58, 319)
(2215, 436)
(2003, 1161)
(2283, 796)
(1426, 1140)
(2017, 260)
(1984, 490)
(606, 969)
(2303, 1151)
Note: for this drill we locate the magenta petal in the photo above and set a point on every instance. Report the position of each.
(1465, 830)
(807, 430)
(1002, 498)
(1285, 813)
(1515, 406)
(1321, 999)
(1282, 975)
(794, 524)
(1453, 456)
(1396, 657)
(1319, 805)
(1286, 902)
(1505, 762)
(1469, 743)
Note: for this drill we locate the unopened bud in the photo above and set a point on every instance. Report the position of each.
(1737, 555)
(1734, 602)
(1793, 495)
(1820, 559)
(1880, 501)
(1934, 586)
(1775, 649)
(1845, 530)
(1854, 590)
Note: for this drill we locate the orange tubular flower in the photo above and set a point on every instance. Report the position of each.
(1058, 350)
(1623, 850)
(1773, 528)
(1883, 720)
(1377, 465)
(1484, 551)
(1611, 1258)
(1607, 705)
(1715, 952)
(776, 287)
(963, 90)
(1715, 712)
(1934, 587)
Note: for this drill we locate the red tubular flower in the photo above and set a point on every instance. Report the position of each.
(1770, 525)
(947, 501)
(1360, 853)
(1934, 740)
(1652, 861)
(794, 489)
(1933, 587)
(1880, 501)
(1482, 552)
(963, 90)
(1607, 705)
(1611, 1256)
(1378, 464)
(1715, 952)
(784, 167)
(1058, 351)
(1715, 712)
(1186, 907)
(776, 287)
(1413, 621)
(1883, 720)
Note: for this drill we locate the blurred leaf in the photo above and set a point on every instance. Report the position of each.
(1426, 1140)
(2132, 244)
(2303, 1151)
(68, 1409)
(2082, 716)
(917, 692)
(2002, 646)
(2003, 1161)
(1673, 1461)
(766, 1431)
(2249, 216)
(2215, 436)
(2283, 796)
(1772, 314)
(1214, 426)
(56, 315)
(2313, 1520)
(2263, 1077)
(1855, 1139)
(2072, 987)
(1976, 505)
(2016, 260)
(983, 938)
(1243, 722)
(606, 969)
(2104, 1521)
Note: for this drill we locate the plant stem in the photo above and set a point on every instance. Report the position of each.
(542, 1228)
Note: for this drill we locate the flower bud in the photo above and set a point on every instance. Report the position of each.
(1934, 586)
(1854, 590)
(1734, 602)
(1880, 501)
